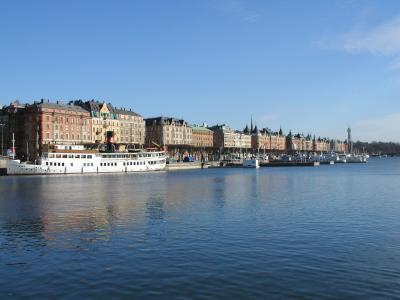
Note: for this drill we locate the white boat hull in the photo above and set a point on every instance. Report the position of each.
(62, 164)
(251, 163)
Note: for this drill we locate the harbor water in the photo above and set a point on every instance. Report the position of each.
(327, 232)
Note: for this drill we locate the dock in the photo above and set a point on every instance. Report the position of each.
(184, 166)
(289, 164)
(270, 164)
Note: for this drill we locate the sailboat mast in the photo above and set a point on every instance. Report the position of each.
(13, 146)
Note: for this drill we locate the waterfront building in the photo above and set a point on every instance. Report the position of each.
(105, 122)
(227, 140)
(242, 140)
(226, 137)
(321, 145)
(267, 140)
(133, 128)
(116, 125)
(338, 146)
(202, 136)
(175, 135)
(294, 142)
(202, 142)
(308, 144)
(299, 143)
(44, 122)
(223, 136)
(8, 124)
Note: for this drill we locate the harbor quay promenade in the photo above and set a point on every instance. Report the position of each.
(29, 129)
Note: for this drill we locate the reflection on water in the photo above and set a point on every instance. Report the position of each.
(314, 232)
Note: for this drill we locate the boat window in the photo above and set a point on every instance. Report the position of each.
(72, 164)
(51, 155)
(47, 163)
(70, 156)
(63, 164)
(51, 163)
(64, 156)
(77, 155)
(101, 164)
(59, 164)
(92, 164)
(58, 155)
(108, 164)
(83, 156)
(123, 164)
(89, 156)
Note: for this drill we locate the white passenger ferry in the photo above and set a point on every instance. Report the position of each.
(62, 159)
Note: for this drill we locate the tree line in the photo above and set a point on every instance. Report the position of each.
(378, 148)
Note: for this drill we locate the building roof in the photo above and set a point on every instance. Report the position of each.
(200, 128)
(222, 127)
(59, 105)
(95, 106)
(165, 121)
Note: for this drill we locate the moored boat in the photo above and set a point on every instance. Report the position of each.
(75, 159)
(251, 163)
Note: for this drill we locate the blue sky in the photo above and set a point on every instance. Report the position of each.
(308, 66)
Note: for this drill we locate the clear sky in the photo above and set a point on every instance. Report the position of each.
(310, 66)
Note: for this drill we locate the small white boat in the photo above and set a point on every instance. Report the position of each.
(354, 158)
(251, 163)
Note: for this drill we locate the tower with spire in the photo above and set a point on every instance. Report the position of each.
(349, 141)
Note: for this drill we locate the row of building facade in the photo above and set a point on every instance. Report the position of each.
(93, 123)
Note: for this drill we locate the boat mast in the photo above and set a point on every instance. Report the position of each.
(13, 146)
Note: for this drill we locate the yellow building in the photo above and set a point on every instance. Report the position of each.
(122, 126)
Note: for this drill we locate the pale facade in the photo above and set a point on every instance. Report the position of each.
(267, 140)
(202, 137)
(321, 145)
(133, 127)
(226, 137)
(242, 140)
(167, 131)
